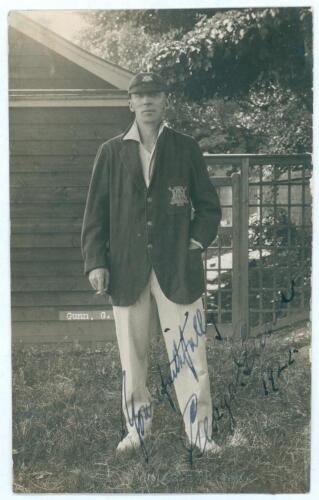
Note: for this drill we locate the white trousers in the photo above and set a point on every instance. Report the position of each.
(183, 327)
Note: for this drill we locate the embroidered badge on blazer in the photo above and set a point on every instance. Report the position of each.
(179, 197)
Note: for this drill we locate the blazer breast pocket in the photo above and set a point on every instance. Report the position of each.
(176, 210)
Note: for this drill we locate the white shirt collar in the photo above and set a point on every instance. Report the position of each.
(134, 133)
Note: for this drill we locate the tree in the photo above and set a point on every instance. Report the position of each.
(227, 53)
(122, 35)
(241, 79)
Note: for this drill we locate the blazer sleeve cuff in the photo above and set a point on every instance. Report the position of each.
(200, 235)
(197, 243)
(95, 262)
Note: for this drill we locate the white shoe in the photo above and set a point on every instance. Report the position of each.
(131, 440)
(210, 447)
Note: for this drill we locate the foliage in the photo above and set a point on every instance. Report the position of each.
(119, 46)
(269, 119)
(213, 122)
(241, 79)
(284, 250)
(122, 35)
(273, 230)
(227, 53)
(152, 21)
(276, 119)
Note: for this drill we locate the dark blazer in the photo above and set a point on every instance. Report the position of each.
(129, 228)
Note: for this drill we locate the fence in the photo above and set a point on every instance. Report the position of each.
(258, 269)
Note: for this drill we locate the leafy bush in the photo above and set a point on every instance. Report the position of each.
(270, 119)
(241, 79)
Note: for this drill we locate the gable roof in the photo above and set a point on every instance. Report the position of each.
(112, 73)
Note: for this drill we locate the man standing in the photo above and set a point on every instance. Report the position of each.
(150, 212)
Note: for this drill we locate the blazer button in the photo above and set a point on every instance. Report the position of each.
(149, 223)
(149, 246)
(149, 199)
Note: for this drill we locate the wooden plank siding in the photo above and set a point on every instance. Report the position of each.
(34, 66)
(63, 103)
(61, 299)
(52, 194)
(65, 132)
(65, 210)
(74, 147)
(49, 163)
(51, 158)
(47, 179)
(69, 116)
(44, 254)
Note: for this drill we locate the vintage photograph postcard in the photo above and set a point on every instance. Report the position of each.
(161, 187)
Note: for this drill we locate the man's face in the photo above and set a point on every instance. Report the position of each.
(148, 107)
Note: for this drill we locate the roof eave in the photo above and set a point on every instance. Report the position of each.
(67, 98)
(107, 71)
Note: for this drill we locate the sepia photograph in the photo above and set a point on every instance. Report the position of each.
(160, 171)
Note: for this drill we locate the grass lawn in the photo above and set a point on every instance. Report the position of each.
(67, 421)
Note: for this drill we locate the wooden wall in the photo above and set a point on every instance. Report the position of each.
(34, 66)
(51, 157)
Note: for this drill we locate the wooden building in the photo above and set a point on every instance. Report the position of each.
(64, 102)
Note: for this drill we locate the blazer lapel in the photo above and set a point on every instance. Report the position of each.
(131, 160)
(159, 153)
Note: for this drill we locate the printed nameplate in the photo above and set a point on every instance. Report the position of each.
(85, 315)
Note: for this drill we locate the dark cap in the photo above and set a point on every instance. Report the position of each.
(146, 82)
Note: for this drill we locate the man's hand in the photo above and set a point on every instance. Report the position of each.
(99, 279)
(194, 245)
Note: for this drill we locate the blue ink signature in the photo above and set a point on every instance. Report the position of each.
(180, 360)
(137, 419)
(202, 435)
(181, 354)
